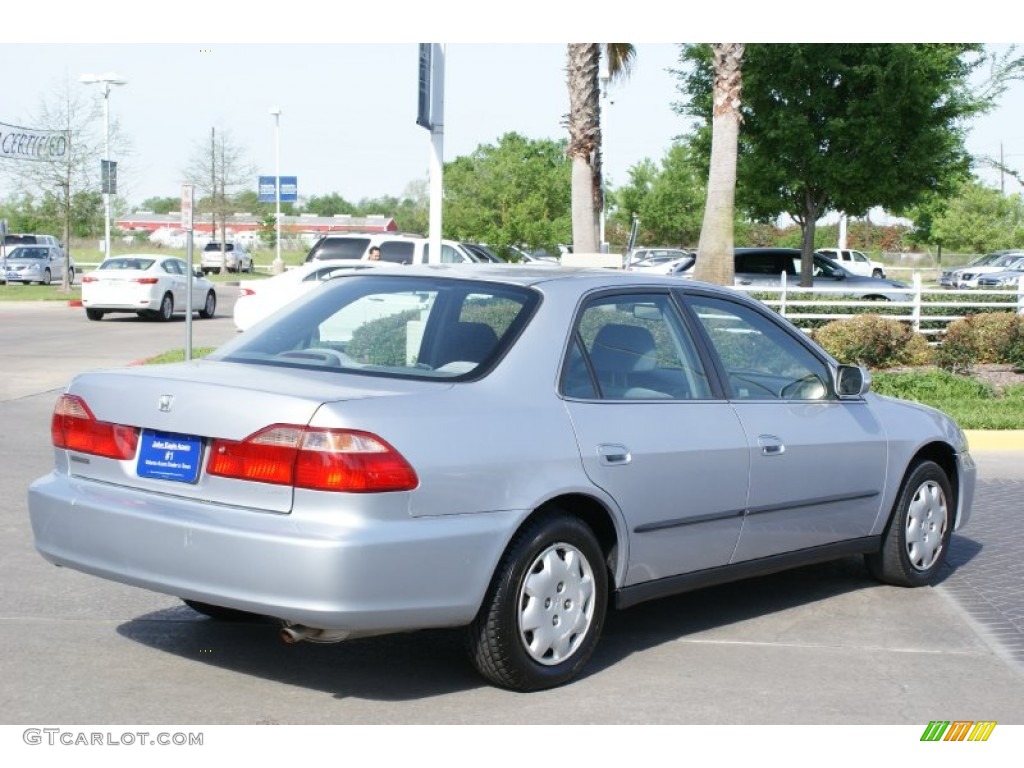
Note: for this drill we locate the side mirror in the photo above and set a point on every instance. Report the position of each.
(852, 382)
(197, 271)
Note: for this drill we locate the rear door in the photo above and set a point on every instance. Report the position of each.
(655, 433)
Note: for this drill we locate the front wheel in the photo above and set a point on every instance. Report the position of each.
(916, 540)
(47, 277)
(209, 307)
(542, 616)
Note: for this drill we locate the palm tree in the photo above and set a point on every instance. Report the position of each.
(584, 123)
(715, 249)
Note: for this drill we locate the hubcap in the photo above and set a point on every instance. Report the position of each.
(926, 526)
(556, 604)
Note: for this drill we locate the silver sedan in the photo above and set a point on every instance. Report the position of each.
(511, 450)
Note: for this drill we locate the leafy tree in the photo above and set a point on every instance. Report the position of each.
(584, 123)
(515, 192)
(161, 205)
(846, 127)
(328, 205)
(980, 220)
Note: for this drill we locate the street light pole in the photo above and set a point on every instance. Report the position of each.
(278, 266)
(106, 80)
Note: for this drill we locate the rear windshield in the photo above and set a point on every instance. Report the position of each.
(395, 326)
(127, 263)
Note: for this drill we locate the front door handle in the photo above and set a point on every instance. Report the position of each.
(771, 445)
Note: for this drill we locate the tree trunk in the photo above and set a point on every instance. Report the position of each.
(715, 262)
(584, 123)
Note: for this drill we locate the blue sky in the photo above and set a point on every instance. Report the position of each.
(346, 84)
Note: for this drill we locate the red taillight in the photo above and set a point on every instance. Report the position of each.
(319, 459)
(90, 279)
(145, 280)
(245, 292)
(74, 427)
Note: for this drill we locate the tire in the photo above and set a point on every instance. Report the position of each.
(916, 540)
(47, 277)
(877, 273)
(543, 612)
(71, 275)
(166, 310)
(209, 307)
(94, 314)
(220, 613)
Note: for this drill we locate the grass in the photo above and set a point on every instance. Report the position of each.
(177, 355)
(973, 404)
(21, 292)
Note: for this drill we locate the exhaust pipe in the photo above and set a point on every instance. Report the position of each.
(295, 633)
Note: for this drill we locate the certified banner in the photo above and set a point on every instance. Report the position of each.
(18, 143)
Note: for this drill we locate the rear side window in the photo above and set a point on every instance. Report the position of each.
(397, 251)
(339, 248)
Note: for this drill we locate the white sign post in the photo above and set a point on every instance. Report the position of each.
(186, 224)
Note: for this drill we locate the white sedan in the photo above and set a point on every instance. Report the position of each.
(149, 285)
(259, 298)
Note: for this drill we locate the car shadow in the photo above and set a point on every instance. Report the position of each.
(428, 663)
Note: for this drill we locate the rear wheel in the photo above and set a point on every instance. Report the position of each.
(542, 616)
(94, 314)
(166, 310)
(209, 307)
(916, 540)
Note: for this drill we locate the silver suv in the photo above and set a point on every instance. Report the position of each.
(235, 258)
(395, 247)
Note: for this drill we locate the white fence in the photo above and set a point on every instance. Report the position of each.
(929, 316)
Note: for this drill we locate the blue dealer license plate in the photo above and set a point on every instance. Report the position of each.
(169, 456)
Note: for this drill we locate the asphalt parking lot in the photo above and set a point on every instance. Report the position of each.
(819, 645)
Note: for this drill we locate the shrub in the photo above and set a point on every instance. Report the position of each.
(874, 341)
(996, 337)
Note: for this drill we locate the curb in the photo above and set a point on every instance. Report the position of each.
(995, 440)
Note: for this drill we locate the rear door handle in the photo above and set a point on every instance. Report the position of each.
(613, 454)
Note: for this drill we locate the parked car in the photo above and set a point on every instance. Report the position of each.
(639, 256)
(1009, 278)
(36, 264)
(14, 239)
(149, 285)
(396, 247)
(482, 253)
(663, 261)
(854, 261)
(756, 267)
(233, 257)
(259, 298)
(512, 451)
(967, 276)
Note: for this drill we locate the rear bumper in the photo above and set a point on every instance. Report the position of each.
(352, 573)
